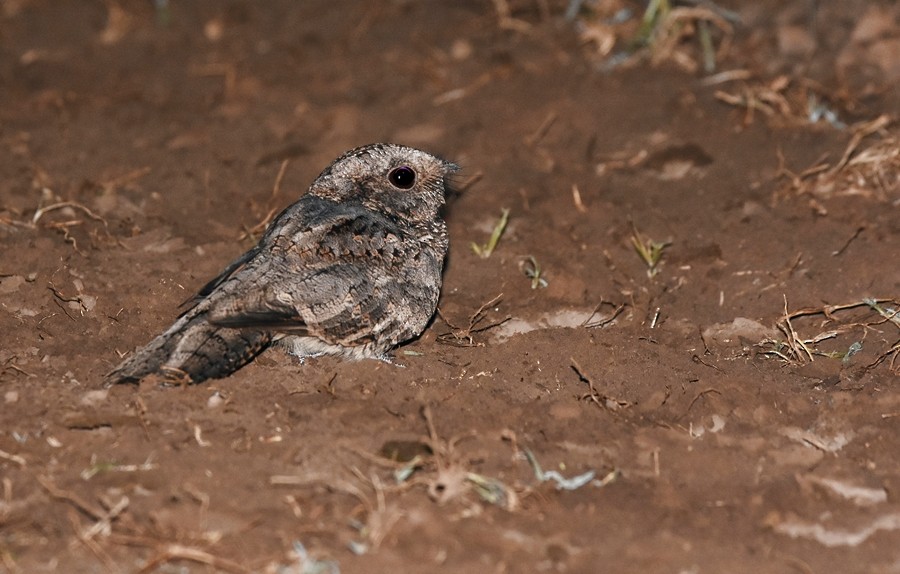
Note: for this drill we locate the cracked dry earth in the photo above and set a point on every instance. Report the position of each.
(732, 409)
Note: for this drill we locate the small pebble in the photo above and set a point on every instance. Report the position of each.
(796, 41)
(94, 398)
(215, 401)
(461, 50)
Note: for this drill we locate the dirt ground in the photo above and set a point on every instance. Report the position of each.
(725, 403)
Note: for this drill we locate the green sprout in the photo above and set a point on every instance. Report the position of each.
(891, 315)
(532, 269)
(656, 12)
(493, 491)
(660, 23)
(484, 251)
(650, 251)
(844, 356)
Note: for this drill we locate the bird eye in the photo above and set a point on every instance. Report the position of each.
(403, 177)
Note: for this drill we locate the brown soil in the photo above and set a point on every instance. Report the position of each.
(140, 143)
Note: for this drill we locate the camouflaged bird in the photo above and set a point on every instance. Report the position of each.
(351, 269)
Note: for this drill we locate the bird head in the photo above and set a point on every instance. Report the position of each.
(401, 181)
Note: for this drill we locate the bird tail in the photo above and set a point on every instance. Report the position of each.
(192, 350)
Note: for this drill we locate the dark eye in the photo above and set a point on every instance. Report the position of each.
(403, 177)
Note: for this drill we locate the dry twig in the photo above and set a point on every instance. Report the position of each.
(872, 172)
(593, 395)
(270, 214)
(463, 336)
(174, 552)
(803, 349)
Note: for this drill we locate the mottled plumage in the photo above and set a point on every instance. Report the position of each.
(351, 269)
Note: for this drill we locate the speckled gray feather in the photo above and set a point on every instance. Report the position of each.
(351, 269)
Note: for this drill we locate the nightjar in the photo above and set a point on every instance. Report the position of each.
(352, 269)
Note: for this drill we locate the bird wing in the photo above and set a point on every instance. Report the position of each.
(211, 286)
(323, 280)
(240, 262)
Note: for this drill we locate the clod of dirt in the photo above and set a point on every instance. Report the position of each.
(404, 450)
(873, 44)
(563, 318)
(677, 161)
(795, 41)
(94, 398)
(738, 332)
(840, 489)
(11, 284)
